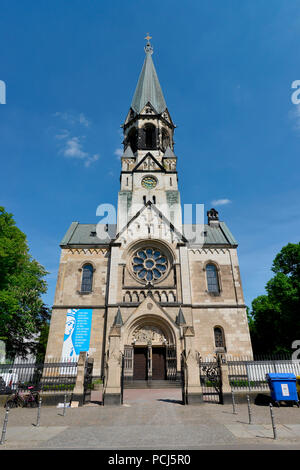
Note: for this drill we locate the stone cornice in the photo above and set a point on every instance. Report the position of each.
(164, 304)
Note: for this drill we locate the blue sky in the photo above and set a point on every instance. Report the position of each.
(226, 70)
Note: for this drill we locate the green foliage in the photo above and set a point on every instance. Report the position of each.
(42, 342)
(22, 311)
(274, 320)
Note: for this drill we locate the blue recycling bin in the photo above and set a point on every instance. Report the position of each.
(283, 387)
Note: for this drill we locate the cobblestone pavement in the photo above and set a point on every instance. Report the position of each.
(151, 419)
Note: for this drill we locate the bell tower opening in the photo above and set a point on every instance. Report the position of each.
(132, 139)
(150, 136)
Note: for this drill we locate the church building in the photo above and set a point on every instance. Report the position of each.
(138, 293)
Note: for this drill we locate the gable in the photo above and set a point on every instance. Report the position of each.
(149, 222)
(148, 109)
(166, 116)
(152, 309)
(149, 163)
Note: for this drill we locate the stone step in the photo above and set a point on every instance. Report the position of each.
(152, 384)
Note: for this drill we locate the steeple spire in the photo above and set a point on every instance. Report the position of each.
(148, 89)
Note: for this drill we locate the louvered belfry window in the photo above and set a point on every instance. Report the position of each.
(212, 279)
(87, 278)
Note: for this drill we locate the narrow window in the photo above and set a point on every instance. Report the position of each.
(219, 337)
(126, 181)
(170, 181)
(212, 279)
(144, 199)
(154, 200)
(87, 278)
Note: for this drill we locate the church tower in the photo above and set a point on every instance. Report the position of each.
(149, 164)
(140, 295)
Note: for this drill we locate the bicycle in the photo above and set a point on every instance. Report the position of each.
(23, 400)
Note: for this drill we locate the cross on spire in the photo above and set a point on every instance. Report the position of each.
(148, 47)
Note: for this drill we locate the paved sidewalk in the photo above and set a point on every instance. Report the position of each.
(152, 419)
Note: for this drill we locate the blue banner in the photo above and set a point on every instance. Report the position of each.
(77, 332)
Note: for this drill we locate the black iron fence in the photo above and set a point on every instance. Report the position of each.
(53, 376)
(211, 380)
(244, 373)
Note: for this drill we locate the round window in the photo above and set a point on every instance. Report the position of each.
(149, 182)
(149, 264)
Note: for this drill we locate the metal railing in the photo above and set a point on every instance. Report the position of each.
(250, 373)
(52, 376)
(210, 379)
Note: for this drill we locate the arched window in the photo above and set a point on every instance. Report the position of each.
(219, 337)
(212, 279)
(87, 278)
(150, 136)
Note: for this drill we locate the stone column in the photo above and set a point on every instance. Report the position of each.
(193, 386)
(149, 362)
(112, 391)
(185, 275)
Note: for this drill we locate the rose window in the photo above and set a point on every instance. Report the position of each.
(149, 264)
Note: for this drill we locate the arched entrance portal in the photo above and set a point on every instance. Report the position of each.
(150, 352)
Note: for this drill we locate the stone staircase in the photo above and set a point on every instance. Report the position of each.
(152, 384)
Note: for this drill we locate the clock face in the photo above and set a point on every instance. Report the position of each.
(149, 182)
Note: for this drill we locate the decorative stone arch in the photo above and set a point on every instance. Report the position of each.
(85, 262)
(153, 338)
(172, 297)
(127, 297)
(150, 323)
(156, 295)
(142, 295)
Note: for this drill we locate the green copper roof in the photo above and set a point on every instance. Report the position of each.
(85, 234)
(148, 88)
(213, 235)
(118, 321)
(169, 153)
(180, 320)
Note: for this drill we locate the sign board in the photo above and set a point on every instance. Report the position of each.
(285, 390)
(77, 332)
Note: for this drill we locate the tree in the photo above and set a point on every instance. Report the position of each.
(22, 311)
(275, 317)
